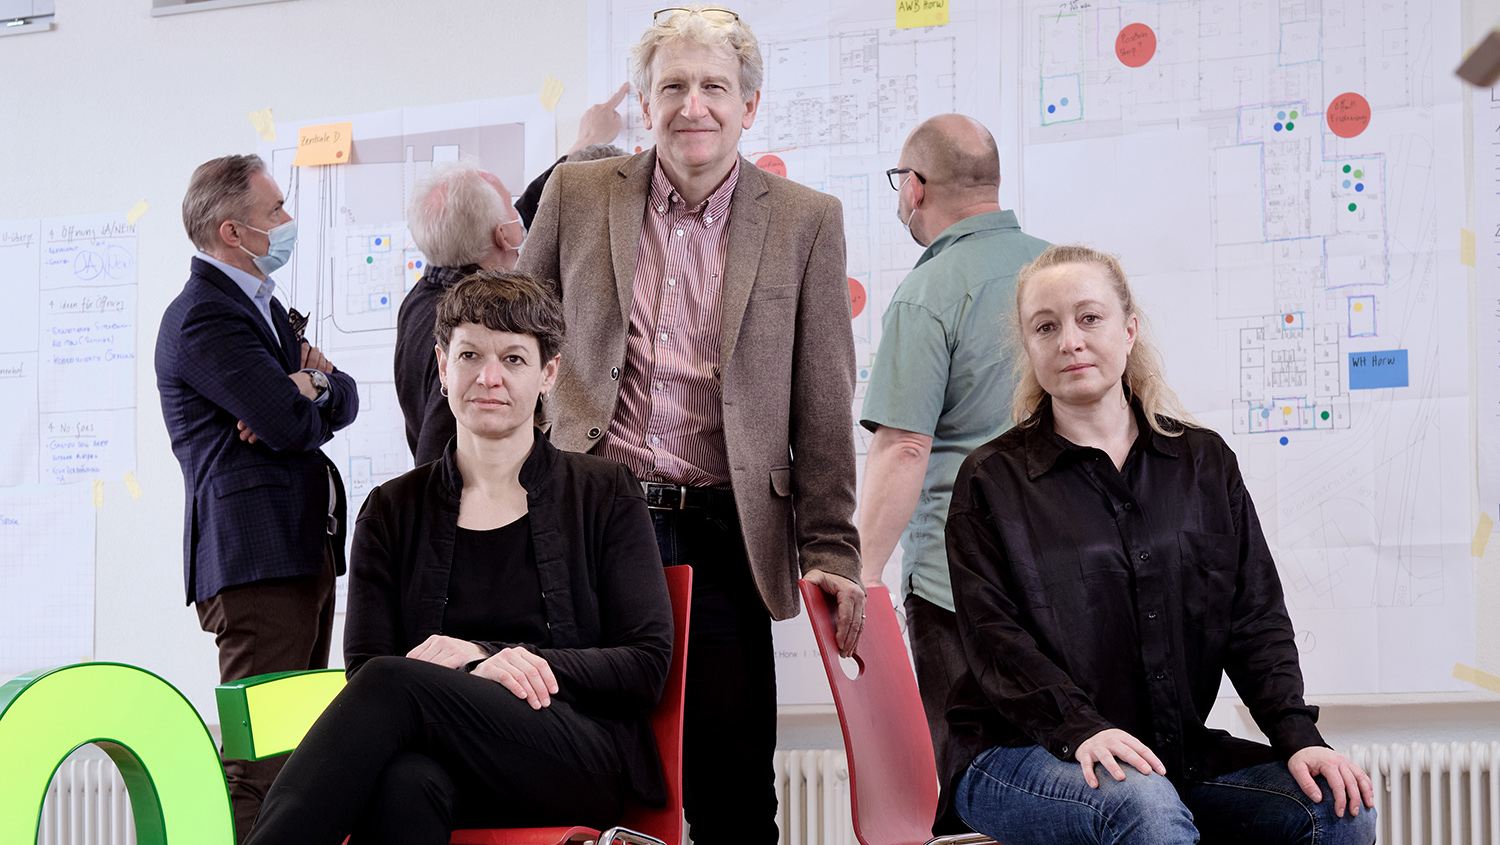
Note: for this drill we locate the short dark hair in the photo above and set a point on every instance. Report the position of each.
(219, 190)
(503, 301)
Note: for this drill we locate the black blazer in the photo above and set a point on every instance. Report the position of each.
(603, 592)
(253, 511)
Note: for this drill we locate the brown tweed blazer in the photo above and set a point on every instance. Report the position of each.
(786, 351)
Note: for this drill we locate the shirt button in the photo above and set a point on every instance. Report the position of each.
(1161, 676)
(655, 439)
(663, 335)
(1127, 506)
(708, 218)
(593, 432)
(614, 373)
(679, 233)
(1066, 750)
(1145, 555)
(672, 282)
(1150, 614)
(660, 386)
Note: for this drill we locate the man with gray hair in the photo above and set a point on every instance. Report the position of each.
(247, 405)
(711, 352)
(941, 383)
(462, 220)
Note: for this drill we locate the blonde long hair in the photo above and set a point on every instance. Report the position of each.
(1142, 379)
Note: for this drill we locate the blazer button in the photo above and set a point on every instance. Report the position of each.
(614, 373)
(593, 432)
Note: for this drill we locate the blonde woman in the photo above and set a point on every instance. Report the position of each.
(1108, 569)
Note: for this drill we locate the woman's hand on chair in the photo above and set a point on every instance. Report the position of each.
(1107, 745)
(523, 673)
(447, 651)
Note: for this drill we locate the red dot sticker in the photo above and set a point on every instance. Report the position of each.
(772, 164)
(1289, 318)
(1348, 115)
(1135, 45)
(338, 154)
(856, 296)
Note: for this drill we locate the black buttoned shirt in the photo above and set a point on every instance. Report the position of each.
(1092, 598)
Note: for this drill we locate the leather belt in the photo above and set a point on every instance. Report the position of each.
(679, 497)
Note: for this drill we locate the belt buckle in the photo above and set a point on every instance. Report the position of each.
(654, 496)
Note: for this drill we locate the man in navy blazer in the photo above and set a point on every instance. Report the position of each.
(248, 404)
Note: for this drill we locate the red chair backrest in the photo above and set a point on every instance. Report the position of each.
(892, 774)
(665, 823)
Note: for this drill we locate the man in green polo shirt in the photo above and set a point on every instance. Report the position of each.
(941, 384)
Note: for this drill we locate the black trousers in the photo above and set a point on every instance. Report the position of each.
(729, 727)
(278, 625)
(410, 751)
(938, 654)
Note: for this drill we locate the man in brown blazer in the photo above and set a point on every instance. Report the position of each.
(710, 350)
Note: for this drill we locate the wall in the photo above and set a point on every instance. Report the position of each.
(114, 106)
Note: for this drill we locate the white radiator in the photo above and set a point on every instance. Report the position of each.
(812, 793)
(87, 805)
(1439, 793)
(1426, 794)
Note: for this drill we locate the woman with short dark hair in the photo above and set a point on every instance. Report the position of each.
(509, 627)
(1108, 570)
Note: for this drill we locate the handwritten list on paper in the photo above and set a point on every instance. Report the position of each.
(67, 350)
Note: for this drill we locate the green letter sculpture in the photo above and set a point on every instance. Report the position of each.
(155, 737)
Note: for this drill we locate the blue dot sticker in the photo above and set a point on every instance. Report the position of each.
(419, 265)
(1284, 441)
(379, 241)
(1278, 127)
(1065, 101)
(385, 300)
(1265, 413)
(1346, 183)
(1359, 187)
(1281, 115)
(1051, 109)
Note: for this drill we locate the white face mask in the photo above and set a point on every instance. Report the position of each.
(907, 222)
(279, 250)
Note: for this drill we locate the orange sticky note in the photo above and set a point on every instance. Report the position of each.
(915, 13)
(326, 144)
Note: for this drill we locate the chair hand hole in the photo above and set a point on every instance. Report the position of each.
(853, 667)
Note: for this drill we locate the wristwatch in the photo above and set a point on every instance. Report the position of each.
(319, 380)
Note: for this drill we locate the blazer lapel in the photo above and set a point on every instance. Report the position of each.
(273, 340)
(749, 216)
(291, 349)
(627, 203)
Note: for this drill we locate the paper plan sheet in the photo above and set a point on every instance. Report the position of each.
(46, 577)
(1285, 187)
(1487, 262)
(355, 259)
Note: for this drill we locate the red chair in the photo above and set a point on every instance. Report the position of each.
(641, 825)
(284, 723)
(892, 775)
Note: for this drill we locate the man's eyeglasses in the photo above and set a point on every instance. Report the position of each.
(895, 172)
(663, 17)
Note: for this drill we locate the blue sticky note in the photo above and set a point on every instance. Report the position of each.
(1371, 370)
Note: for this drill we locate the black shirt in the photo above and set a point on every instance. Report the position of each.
(1091, 598)
(429, 420)
(493, 590)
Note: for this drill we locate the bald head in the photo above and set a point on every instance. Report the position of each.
(956, 155)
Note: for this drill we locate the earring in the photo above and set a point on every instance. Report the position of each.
(443, 389)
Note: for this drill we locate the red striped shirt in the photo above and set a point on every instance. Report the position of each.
(669, 423)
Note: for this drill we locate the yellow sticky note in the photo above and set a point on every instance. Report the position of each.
(326, 144)
(98, 492)
(1482, 535)
(1469, 674)
(1466, 247)
(552, 91)
(914, 13)
(132, 485)
(263, 124)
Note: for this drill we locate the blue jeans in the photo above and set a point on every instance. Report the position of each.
(1025, 796)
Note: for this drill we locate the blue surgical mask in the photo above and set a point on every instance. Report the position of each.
(282, 239)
